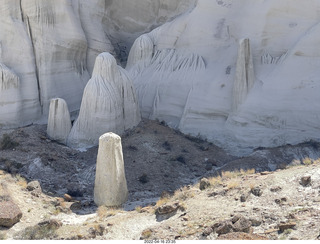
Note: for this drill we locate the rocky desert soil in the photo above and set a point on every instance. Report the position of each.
(180, 188)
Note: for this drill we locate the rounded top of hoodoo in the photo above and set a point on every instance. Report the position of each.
(110, 135)
(105, 65)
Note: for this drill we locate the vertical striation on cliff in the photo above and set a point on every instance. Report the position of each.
(244, 77)
(109, 104)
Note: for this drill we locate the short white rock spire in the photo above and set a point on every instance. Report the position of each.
(59, 122)
(110, 183)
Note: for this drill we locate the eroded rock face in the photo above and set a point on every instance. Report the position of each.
(240, 73)
(109, 104)
(59, 122)
(10, 98)
(52, 46)
(110, 183)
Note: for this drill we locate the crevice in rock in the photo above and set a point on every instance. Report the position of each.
(35, 60)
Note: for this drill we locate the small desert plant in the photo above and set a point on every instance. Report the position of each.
(214, 181)
(104, 211)
(162, 201)
(183, 194)
(7, 143)
(317, 161)
(138, 209)
(236, 173)
(21, 181)
(307, 161)
(233, 184)
(146, 234)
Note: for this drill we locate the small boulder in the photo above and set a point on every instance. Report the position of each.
(168, 208)
(204, 184)
(35, 188)
(34, 185)
(237, 223)
(244, 197)
(51, 223)
(223, 227)
(10, 213)
(207, 231)
(166, 211)
(241, 224)
(255, 221)
(67, 197)
(305, 180)
(256, 191)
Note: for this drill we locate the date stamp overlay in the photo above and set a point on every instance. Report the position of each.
(160, 241)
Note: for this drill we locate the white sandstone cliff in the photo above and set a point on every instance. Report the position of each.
(109, 104)
(110, 187)
(17, 54)
(237, 95)
(59, 122)
(52, 45)
(10, 98)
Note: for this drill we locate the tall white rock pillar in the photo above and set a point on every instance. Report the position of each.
(110, 183)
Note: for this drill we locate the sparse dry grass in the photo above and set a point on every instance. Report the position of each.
(162, 201)
(232, 184)
(236, 173)
(22, 182)
(104, 211)
(146, 234)
(214, 181)
(138, 209)
(317, 161)
(183, 193)
(307, 161)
